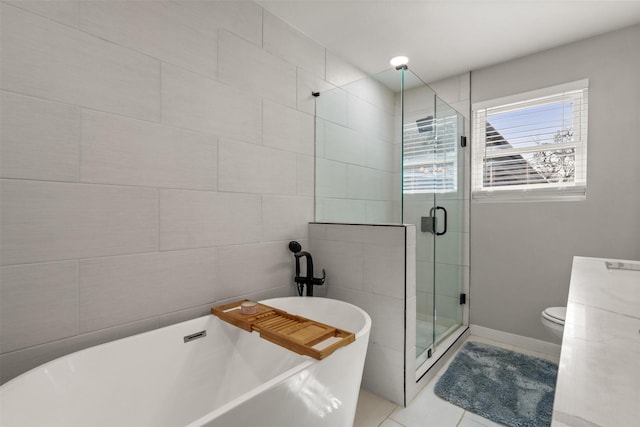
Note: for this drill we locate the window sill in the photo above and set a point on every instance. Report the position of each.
(570, 194)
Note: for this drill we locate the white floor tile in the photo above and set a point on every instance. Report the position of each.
(427, 407)
(474, 420)
(372, 410)
(390, 423)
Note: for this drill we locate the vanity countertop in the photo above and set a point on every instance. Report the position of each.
(599, 371)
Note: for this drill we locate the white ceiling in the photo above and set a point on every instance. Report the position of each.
(447, 37)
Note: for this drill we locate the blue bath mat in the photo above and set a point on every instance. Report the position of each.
(504, 386)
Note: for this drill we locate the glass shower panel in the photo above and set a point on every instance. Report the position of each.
(357, 179)
(419, 180)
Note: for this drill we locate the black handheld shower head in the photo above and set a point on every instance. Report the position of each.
(294, 247)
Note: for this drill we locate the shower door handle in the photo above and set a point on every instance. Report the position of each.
(445, 221)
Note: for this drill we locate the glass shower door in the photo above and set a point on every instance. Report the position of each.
(449, 236)
(418, 200)
(433, 199)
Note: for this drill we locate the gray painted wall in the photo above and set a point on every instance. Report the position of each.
(521, 253)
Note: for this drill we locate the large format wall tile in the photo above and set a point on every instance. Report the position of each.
(246, 66)
(370, 119)
(63, 11)
(285, 218)
(287, 129)
(344, 144)
(195, 102)
(40, 139)
(384, 269)
(46, 221)
(340, 72)
(305, 176)
(246, 269)
(169, 32)
(124, 289)
(192, 219)
(118, 150)
(344, 262)
(334, 182)
(308, 83)
(251, 168)
(283, 40)
(243, 18)
(38, 304)
(49, 60)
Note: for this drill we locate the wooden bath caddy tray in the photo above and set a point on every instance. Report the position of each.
(296, 333)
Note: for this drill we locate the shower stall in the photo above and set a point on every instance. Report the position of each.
(390, 151)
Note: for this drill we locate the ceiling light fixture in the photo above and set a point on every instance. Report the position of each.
(399, 62)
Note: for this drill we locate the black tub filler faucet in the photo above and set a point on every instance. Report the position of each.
(308, 279)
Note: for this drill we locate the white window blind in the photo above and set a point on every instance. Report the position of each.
(430, 155)
(531, 146)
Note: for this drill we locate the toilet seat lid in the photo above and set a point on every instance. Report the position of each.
(555, 314)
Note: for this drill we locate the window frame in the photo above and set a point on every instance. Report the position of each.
(576, 91)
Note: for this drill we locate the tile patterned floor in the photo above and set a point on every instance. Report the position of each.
(426, 409)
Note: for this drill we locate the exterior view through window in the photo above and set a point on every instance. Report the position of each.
(532, 145)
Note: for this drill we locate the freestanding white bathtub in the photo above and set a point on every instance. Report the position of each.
(227, 378)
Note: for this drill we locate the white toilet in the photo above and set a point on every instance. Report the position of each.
(553, 319)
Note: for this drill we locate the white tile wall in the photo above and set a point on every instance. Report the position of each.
(47, 221)
(344, 144)
(331, 105)
(38, 303)
(341, 210)
(380, 154)
(285, 218)
(382, 267)
(187, 149)
(344, 262)
(116, 150)
(305, 177)
(194, 219)
(243, 18)
(365, 266)
(284, 41)
(148, 162)
(167, 34)
(340, 72)
(250, 168)
(246, 269)
(308, 83)
(202, 104)
(125, 289)
(334, 179)
(238, 62)
(383, 372)
(287, 129)
(365, 183)
(40, 139)
(63, 11)
(370, 119)
(380, 212)
(50, 60)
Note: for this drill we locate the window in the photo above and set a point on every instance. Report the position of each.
(430, 155)
(531, 146)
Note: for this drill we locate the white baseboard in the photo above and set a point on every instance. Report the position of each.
(526, 343)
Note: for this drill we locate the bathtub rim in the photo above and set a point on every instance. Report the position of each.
(364, 330)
